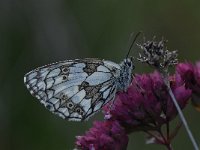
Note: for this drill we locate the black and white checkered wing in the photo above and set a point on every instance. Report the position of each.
(74, 89)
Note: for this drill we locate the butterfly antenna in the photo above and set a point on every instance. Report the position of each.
(136, 36)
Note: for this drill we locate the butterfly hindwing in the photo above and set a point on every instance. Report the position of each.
(74, 89)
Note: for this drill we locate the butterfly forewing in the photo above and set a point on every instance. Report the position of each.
(74, 89)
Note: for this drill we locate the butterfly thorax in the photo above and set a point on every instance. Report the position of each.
(125, 74)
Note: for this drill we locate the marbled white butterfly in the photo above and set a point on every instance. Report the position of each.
(77, 89)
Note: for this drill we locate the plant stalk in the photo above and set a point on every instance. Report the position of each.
(185, 124)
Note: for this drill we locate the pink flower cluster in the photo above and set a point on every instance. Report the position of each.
(146, 106)
(104, 135)
(190, 75)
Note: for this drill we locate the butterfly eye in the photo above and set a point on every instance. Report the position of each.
(129, 63)
(70, 105)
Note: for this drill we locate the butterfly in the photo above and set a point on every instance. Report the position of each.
(77, 89)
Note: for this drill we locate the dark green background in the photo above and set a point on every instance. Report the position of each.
(37, 32)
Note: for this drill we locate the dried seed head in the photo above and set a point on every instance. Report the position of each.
(156, 54)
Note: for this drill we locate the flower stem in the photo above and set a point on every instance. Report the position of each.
(181, 114)
(166, 141)
(167, 127)
(169, 147)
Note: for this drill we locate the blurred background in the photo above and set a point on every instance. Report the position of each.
(37, 32)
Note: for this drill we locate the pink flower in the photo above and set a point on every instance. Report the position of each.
(147, 104)
(190, 75)
(106, 135)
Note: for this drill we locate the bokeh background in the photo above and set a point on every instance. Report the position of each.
(37, 32)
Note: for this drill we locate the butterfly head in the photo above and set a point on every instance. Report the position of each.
(126, 74)
(128, 63)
